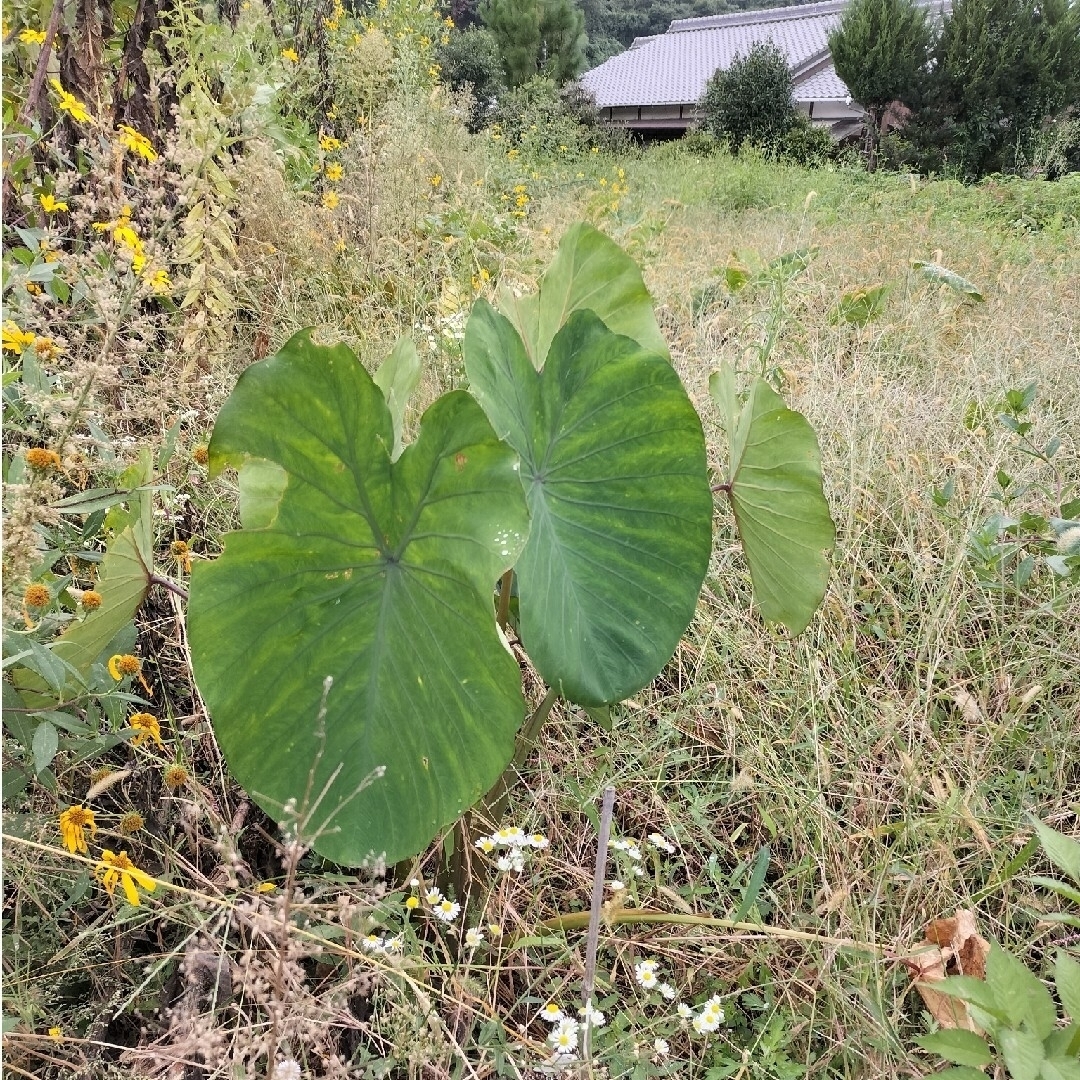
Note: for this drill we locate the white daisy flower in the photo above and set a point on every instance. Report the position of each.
(684, 1010)
(287, 1069)
(659, 841)
(433, 896)
(667, 991)
(564, 1038)
(486, 844)
(552, 1013)
(593, 1017)
(474, 937)
(447, 910)
(661, 1047)
(615, 885)
(373, 943)
(538, 841)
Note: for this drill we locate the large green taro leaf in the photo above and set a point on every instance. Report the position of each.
(375, 573)
(589, 272)
(775, 488)
(613, 464)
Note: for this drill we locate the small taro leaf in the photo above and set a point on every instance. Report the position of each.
(1023, 1053)
(44, 747)
(589, 272)
(722, 391)
(780, 508)
(959, 1047)
(613, 463)
(397, 378)
(123, 581)
(1022, 996)
(1067, 980)
(1061, 850)
(860, 306)
(940, 275)
(377, 574)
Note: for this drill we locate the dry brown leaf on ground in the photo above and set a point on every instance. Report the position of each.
(951, 947)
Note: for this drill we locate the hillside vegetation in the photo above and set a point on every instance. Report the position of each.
(790, 812)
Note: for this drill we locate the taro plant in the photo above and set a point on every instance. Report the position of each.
(349, 641)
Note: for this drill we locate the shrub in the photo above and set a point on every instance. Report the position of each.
(471, 59)
(751, 101)
(1057, 147)
(541, 118)
(804, 143)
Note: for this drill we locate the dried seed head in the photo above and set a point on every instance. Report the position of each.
(39, 458)
(37, 596)
(175, 777)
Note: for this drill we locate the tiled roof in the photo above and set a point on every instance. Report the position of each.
(824, 85)
(673, 68)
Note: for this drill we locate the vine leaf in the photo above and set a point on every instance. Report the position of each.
(375, 573)
(589, 272)
(613, 464)
(775, 488)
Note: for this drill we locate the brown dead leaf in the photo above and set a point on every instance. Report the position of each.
(951, 947)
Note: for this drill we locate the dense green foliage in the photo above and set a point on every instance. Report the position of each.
(545, 37)
(751, 101)
(881, 50)
(470, 58)
(999, 69)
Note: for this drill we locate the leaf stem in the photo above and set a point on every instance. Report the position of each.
(506, 583)
(159, 579)
(576, 920)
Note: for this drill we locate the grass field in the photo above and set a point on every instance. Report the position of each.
(834, 791)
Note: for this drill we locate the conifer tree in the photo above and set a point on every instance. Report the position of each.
(881, 50)
(537, 37)
(1002, 66)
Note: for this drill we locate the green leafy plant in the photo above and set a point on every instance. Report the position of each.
(1014, 1008)
(346, 641)
(1037, 521)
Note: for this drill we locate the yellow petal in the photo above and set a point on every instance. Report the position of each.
(145, 880)
(130, 891)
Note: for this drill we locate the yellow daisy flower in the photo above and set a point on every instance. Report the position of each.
(118, 867)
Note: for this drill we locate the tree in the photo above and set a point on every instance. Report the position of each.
(544, 37)
(471, 59)
(881, 50)
(752, 100)
(1002, 66)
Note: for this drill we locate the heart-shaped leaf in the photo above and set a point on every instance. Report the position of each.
(376, 574)
(775, 488)
(613, 463)
(589, 272)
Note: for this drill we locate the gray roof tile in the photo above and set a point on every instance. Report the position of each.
(673, 68)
